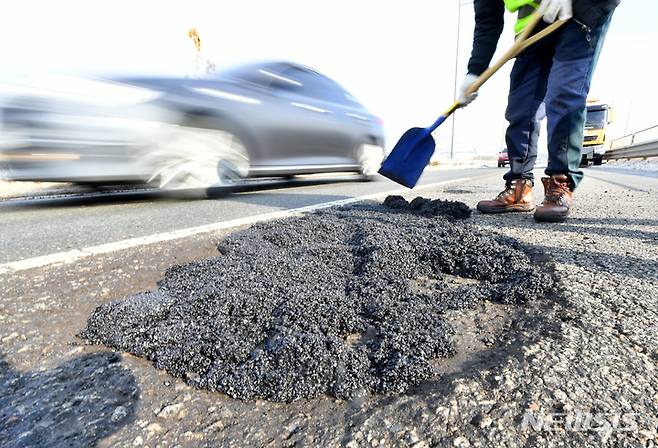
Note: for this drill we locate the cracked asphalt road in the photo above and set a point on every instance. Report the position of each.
(588, 351)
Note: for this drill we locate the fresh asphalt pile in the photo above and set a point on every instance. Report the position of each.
(429, 207)
(344, 302)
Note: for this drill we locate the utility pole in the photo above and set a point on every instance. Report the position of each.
(628, 116)
(454, 92)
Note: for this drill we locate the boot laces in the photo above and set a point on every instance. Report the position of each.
(556, 190)
(510, 188)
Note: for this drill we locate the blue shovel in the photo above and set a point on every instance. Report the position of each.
(414, 150)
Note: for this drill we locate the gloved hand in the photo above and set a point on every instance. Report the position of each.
(556, 9)
(466, 100)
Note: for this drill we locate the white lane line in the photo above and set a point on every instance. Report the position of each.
(74, 255)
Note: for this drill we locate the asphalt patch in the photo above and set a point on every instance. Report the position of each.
(342, 302)
(429, 207)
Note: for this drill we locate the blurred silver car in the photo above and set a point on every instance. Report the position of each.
(270, 119)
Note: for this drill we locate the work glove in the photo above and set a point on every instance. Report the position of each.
(556, 9)
(463, 99)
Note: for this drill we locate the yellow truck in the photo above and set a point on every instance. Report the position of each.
(597, 125)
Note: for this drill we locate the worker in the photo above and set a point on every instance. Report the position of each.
(549, 79)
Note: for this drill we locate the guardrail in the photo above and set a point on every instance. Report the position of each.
(639, 145)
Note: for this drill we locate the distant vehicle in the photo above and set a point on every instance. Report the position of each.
(599, 117)
(503, 158)
(268, 119)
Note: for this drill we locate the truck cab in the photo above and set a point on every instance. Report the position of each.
(599, 117)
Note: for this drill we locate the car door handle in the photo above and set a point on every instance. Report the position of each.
(311, 108)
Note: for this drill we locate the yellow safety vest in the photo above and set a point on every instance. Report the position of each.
(525, 9)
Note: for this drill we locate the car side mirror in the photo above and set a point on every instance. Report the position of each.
(611, 115)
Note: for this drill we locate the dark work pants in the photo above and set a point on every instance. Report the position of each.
(551, 79)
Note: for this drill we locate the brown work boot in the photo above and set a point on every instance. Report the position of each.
(557, 200)
(516, 197)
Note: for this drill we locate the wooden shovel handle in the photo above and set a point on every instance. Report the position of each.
(522, 42)
(540, 35)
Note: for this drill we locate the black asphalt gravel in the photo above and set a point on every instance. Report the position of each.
(429, 208)
(345, 302)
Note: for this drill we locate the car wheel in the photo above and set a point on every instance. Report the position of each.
(370, 158)
(194, 158)
(500, 165)
(598, 160)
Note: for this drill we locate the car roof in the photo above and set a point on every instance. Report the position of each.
(277, 66)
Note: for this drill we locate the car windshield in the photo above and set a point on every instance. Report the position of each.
(596, 117)
(292, 79)
(262, 74)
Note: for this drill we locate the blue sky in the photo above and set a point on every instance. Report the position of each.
(397, 57)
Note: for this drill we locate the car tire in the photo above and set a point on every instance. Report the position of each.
(598, 160)
(199, 160)
(501, 165)
(370, 158)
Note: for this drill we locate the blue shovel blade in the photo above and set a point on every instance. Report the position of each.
(409, 157)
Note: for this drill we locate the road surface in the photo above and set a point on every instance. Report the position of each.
(76, 222)
(588, 353)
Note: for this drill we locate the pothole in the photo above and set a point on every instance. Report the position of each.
(336, 302)
(476, 332)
